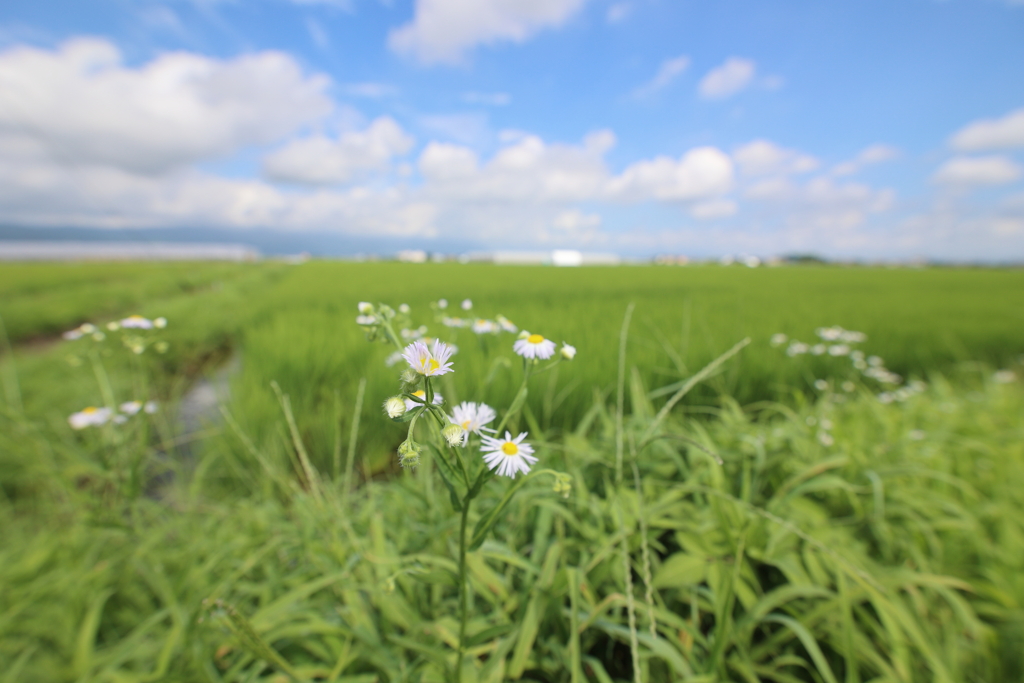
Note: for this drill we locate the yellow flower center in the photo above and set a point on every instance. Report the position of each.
(535, 339)
(433, 365)
(509, 448)
(465, 425)
(420, 394)
(90, 410)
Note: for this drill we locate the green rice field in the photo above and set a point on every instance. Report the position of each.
(790, 514)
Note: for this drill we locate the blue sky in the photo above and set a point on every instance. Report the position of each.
(871, 129)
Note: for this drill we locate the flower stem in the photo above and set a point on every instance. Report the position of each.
(463, 589)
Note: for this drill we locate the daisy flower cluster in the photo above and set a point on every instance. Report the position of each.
(134, 334)
(97, 417)
(536, 347)
(839, 343)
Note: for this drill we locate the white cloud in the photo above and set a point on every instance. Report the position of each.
(667, 72)
(968, 171)
(715, 208)
(763, 157)
(79, 104)
(319, 160)
(700, 173)
(440, 162)
(442, 31)
(466, 128)
(874, 154)
(991, 134)
(733, 76)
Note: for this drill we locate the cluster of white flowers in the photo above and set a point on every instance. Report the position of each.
(96, 417)
(136, 342)
(903, 393)
(837, 342)
(536, 347)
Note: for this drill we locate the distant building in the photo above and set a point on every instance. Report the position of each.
(55, 250)
(412, 256)
(558, 257)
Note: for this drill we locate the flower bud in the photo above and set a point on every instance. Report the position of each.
(404, 308)
(113, 326)
(453, 434)
(366, 320)
(365, 307)
(410, 376)
(568, 351)
(160, 323)
(442, 304)
(394, 407)
(524, 334)
(409, 453)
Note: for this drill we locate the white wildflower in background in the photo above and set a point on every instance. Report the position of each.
(472, 417)
(851, 337)
(90, 417)
(825, 439)
(875, 361)
(113, 326)
(820, 384)
(826, 423)
(413, 335)
(778, 339)
(508, 456)
(150, 407)
(71, 335)
(568, 351)
(365, 307)
(467, 305)
(422, 396)
(535, 346)
(818, 349)
(160, 323)
(131, 407)
(394, 358)
(849, 387)
(448, 321)
(442, 304)
(1004, 376)
(797, 349)
(429, 362)
(506, 324)
(366, 320)
(838, 350)
(482, 326)
(523, 334)
(137, 322)
(885, 397)
(395, 407)
(404, 308)
(830, 333)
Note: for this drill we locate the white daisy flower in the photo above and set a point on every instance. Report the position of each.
(131, 407)
(472, 417)
(506, 324)
(71, 335)
(150, 407)
(366, 320)
(482, 326)
(395, 358)
(137, 322)
(508, 456)
(160, 323)
(797, 348)
(535, 346)
(838, 350)
(422, 396)
(467, 304)
(429, 362)
(442, 304)
(778, 339)
(90, 417)
(404, 308)
(365, 307)
(568, 351)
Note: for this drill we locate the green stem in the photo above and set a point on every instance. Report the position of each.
(463, 589)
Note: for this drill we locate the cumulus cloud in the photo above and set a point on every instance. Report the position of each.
(975, 171)
(724, 81)
(763, 157)
(667, 72)
(442, 31)
(79, 104)
(991, 134)
(319, 160)
(701, 172)
(874, 154)
(715, 208)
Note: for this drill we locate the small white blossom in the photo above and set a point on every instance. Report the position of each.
(797, 349)
(137, 322)
(472, 417)
(482, 326)
(454, 435)
(820, 384)
(131, 407)
(838, 350)
(366, 320)
(467, 304)
(404, 308)
(442, 304)
(568, 351)
(1004, 376)
(508, 456)
(778, 339)
(506, 324)
(535, 346)
(395, 407)
(365, 307)
(429, 362)
(150, 407)
(818, 349)
(160, 323)
(90, 417)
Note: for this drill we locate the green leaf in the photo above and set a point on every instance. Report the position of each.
(488, 520)
(489, 634)
(680, 570)
(448, 475)
(809, 643)
(409, 414)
